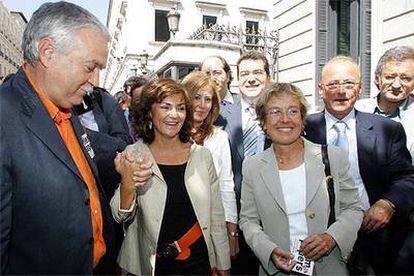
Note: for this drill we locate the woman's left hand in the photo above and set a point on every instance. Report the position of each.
(317, 245)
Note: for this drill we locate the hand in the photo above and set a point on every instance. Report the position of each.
(223, 272)
(317, 245)
(233, 241)
(282, 260)
(135, 170)
(378, 216)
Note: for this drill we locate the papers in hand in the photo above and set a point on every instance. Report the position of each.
(303, 265)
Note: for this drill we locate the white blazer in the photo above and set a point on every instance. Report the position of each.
(138, 250)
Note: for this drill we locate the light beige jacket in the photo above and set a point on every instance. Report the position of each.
(138, 250)
(264, 219)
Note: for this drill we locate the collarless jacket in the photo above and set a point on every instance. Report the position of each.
(138, 251)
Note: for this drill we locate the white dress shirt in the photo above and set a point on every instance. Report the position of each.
(218, 144)
(331, 135)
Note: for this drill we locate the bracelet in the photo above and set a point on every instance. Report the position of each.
(233, 234)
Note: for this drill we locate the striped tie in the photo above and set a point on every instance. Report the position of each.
(251, 135)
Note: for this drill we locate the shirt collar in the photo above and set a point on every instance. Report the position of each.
(57, 114)
(404, 105)
(331, 120)
(228, 97)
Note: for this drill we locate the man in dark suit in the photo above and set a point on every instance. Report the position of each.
(380, 165)
(245, 135)
(55, 217)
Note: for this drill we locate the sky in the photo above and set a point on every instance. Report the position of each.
(98, 7)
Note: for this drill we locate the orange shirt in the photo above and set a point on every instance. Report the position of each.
(61, 118)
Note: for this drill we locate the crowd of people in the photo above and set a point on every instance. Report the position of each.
(192, 178)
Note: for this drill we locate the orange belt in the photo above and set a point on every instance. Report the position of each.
(184, 243)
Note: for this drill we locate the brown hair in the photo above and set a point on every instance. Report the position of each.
(254, 55)
(154, 92)
(277, 89)
(193, 82)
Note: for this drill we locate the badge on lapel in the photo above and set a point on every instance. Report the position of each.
(87, 144)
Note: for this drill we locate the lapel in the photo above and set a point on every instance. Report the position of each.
(233, 116)
(315, 173)
(366, 141)
(270, 176)
(316, 128)
(87, 150)
(39, 122)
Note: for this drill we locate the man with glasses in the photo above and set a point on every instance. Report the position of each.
(394, 78)
(246, 136)
(380, 165)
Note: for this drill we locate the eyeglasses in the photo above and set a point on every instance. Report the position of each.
(276, 113)
(335, 85)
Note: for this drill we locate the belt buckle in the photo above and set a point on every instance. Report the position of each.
(167, 251)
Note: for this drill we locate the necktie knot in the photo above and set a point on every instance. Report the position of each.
(340, 126)
(341, 138)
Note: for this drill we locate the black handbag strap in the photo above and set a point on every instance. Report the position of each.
(329, 184)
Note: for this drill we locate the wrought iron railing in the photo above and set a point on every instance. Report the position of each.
(263, 41)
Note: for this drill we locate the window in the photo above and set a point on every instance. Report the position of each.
(344, 29)
(162, 32)
(252, 27)
(209, 20)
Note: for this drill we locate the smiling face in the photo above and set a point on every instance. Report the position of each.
(283, 122)
(168, 116)
(340, 87)
(202, 103)
(252, 79)
(71, 75)
(396, 81)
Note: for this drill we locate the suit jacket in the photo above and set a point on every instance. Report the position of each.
(46, 225)
(231, 120)
(406, 117)
(264, 219)
(112, 137)
(138, 250)
(384, 161)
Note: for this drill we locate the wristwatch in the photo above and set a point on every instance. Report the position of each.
(233, 233)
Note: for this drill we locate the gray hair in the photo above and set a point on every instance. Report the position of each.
(399, 53)
(58, 21)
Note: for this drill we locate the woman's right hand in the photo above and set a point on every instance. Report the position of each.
(282, 260)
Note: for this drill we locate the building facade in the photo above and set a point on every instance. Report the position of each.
(140, 28)
(12, 25)
(310, 32)
(313, 31)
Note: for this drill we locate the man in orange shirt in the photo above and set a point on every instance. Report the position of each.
(54, 214)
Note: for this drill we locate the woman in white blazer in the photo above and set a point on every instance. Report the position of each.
(175, 218)
(284, 195)
(206, 108)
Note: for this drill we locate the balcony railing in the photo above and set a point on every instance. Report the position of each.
(263, 41)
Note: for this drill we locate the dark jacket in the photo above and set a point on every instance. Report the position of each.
(46, 225)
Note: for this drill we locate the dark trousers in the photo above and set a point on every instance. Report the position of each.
(246, 263)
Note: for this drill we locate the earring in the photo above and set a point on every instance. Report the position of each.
(150, 125)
